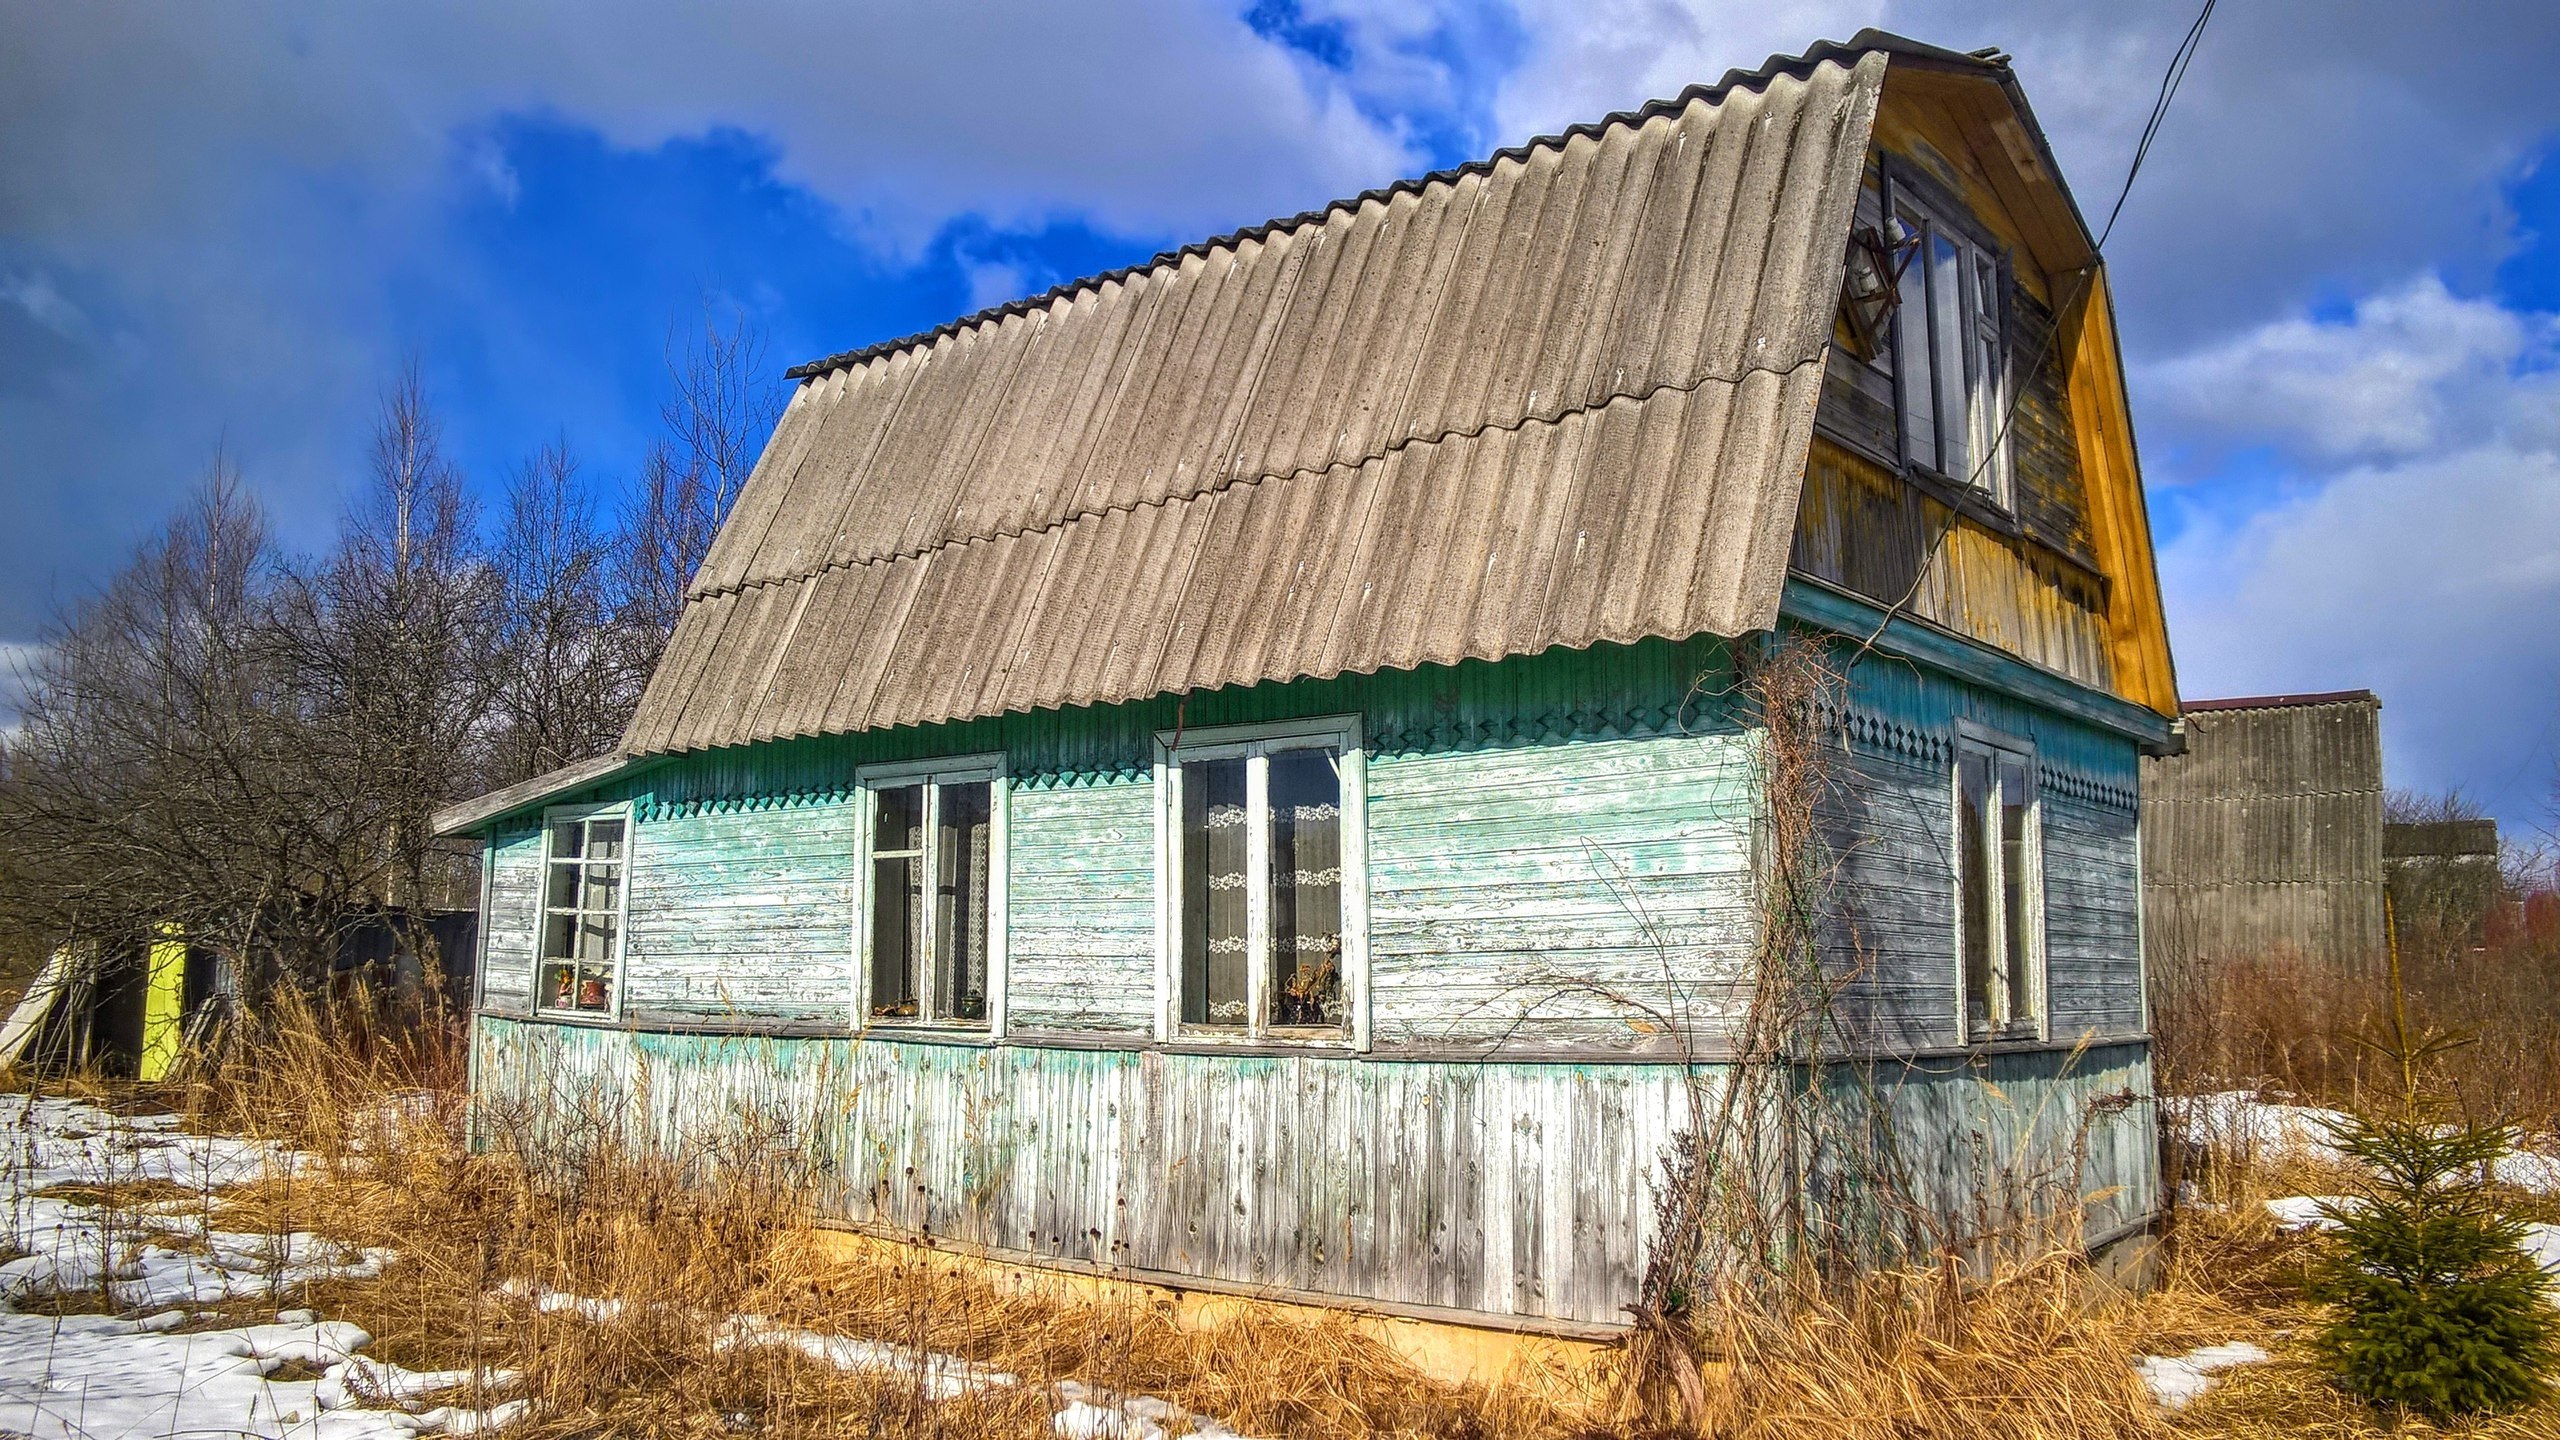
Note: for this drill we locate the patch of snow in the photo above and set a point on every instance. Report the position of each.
(2528, 1170)
(2177, 1380)
(942, 1376)
(2306, 1212)
(2239, 1120)
(2542, 1242)
(557, 1302)
(96, 1376)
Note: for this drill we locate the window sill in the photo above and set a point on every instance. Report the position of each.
(593, 1019)
(925, 1032)
(1194, 1042)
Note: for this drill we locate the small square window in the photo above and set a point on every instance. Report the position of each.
(1264, 918)
(932, 928)
(580, 970)
(1999, 889)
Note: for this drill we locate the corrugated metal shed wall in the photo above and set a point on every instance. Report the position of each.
(2266, 836)
(1562, 398)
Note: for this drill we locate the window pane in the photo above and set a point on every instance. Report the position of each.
(963, 835)
(1214, 893)
(2015, 875)
(1947, 342)
(559, 936)
(563, 891)
(1987, 412)
(595, 938)
(604, 839)
(898, 822)
(1306, 888)
(602, 883)
(1974, 881)
(565, 838)
(1911, 362)
(595, 987)
(897, 932)
(559, 989)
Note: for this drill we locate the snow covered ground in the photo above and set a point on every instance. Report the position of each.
(143, 1372)
(2239, 1119)
(99, 1376)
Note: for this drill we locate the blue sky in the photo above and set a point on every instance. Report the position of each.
(2339, 277)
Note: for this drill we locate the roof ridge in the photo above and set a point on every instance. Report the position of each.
(1523, 422)
(1776, 66)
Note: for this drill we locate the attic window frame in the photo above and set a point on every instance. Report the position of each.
(989, 769)
(1942, 210)
(1255, 744)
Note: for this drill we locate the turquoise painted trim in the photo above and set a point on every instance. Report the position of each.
(1811, 602)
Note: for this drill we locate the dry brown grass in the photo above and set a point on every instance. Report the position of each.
(2307, 1028)
(2038, 1350)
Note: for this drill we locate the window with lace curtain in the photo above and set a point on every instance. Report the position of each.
(932, 927)
(1264, 907)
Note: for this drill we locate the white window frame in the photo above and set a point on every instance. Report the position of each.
(1983, 324)
(868, 781)
(1997, 745)
(1255, 744)
(542, 908)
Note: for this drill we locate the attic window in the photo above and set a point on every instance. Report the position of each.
(1951, 378)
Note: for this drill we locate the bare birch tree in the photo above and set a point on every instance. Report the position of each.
(718, 413)
(568, 668)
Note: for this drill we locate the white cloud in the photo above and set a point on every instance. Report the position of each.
(2406, 373)
(2415, 545)
(33, 292)
(226, 191)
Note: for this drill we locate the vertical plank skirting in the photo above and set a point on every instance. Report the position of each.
(1512, 1189)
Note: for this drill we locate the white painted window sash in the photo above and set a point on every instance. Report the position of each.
(543, 908)
(1994, 746)
(1255, 744)
(932, 775)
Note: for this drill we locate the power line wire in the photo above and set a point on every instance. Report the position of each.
(2176, 75)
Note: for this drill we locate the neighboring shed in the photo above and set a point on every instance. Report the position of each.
(2444, 878)
(2265, 838)
(1235, 771)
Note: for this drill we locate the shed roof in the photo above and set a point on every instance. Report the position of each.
(2283, 702)
(1556, 397)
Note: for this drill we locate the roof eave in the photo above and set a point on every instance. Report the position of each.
(479, 813)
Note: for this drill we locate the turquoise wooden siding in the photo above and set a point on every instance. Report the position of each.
(1559, 854)
(742, 910)
(513, 918)
(1516, 1189)
(1581, 893)
(1082, 913)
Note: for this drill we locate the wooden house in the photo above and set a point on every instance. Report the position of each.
(1228, 771)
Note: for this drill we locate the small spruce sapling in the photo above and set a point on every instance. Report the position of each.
(2439, 1309)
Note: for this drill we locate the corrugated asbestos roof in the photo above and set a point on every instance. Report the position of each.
(1558, 397)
